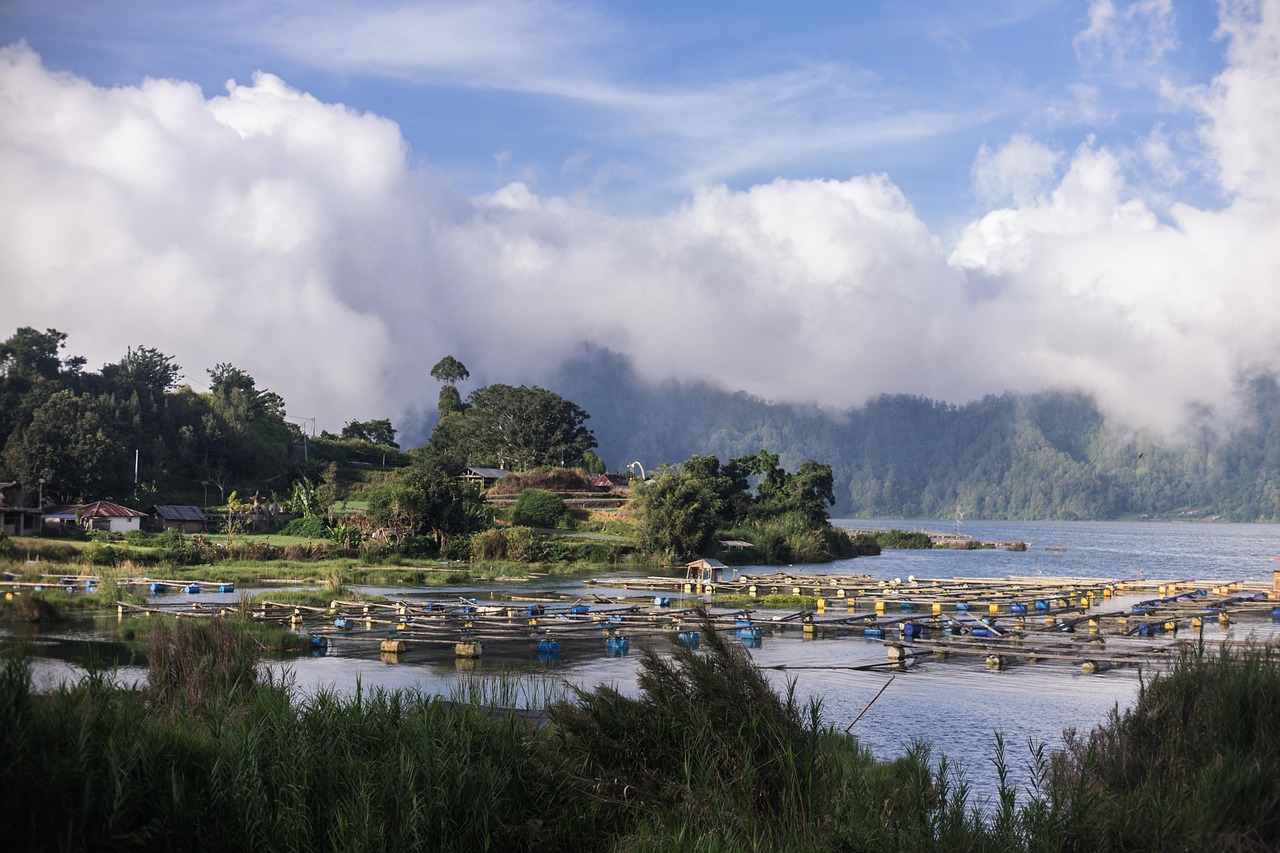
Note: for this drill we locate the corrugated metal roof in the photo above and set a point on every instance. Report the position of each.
(107, 509)
(178, 512)
(489, 473)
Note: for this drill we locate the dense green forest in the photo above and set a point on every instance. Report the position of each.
(1028, 456)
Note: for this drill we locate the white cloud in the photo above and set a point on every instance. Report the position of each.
(292, 238)
(1018, 171)
(1139, 33)
(1243, 103)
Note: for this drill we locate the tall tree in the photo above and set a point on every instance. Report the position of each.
(71, 443)
(145, 367)
(450, 371)
(376, 432)
(678, 515)
(31, 369)
(527, 427)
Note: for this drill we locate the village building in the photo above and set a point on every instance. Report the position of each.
(707, 570)
(188, 519)
(17, 516)
(484, 477)
(610, 481)
(98, 515)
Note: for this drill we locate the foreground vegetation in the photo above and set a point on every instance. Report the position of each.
(707, 757)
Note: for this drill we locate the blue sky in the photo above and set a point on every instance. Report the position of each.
(636, 103)
(1022, 194)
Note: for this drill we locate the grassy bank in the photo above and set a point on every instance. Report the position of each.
(706, 757)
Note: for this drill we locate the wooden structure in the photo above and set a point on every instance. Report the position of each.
(17, 517)
(188, 519)
(484, 477)
(1089, 624)
(707, 571)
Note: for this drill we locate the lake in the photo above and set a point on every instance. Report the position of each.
(957, 705)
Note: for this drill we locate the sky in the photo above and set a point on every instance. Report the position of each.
(815, 203)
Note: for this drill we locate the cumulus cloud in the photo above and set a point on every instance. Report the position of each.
(293, 238)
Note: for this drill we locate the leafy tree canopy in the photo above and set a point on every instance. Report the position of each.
(146, 367)
(515, 428)
(375, 432)
(450, 371)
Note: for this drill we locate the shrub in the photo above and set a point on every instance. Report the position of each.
(457, 548)
(101, 554)
(522, 545)
(489, 545)
(417, 546)
(538, 508)
(1191, 766)
(310, 525)
(557, 479)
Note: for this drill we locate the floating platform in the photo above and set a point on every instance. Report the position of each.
(1093, 623)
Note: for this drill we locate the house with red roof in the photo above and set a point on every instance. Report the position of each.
(98, 515)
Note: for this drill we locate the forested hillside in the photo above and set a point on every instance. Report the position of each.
(1040, 456)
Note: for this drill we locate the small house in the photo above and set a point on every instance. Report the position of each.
(707, 571)
(188, 519)
(610, 481)
(17, 518)
(484, 477)
(98, 515)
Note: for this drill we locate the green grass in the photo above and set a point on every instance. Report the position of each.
(771, 602)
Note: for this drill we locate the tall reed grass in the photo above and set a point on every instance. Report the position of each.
(706, 757)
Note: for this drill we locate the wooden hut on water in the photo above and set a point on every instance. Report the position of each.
(707, 571)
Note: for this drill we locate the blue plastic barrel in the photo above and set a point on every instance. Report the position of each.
(617, 646)
(1018, 609)
(692, 639)
(548, 646)
(193, 589)
(226, 587)
(661, 601)
(344, 624)
(579, 609)
(962, 607)
(1042, 604)
(876, 633)
(157, 587)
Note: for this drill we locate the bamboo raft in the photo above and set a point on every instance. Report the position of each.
(1006, 621)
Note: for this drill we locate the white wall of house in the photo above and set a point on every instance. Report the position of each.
(114, 524)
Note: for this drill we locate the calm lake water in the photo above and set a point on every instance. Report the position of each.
(957, 705)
